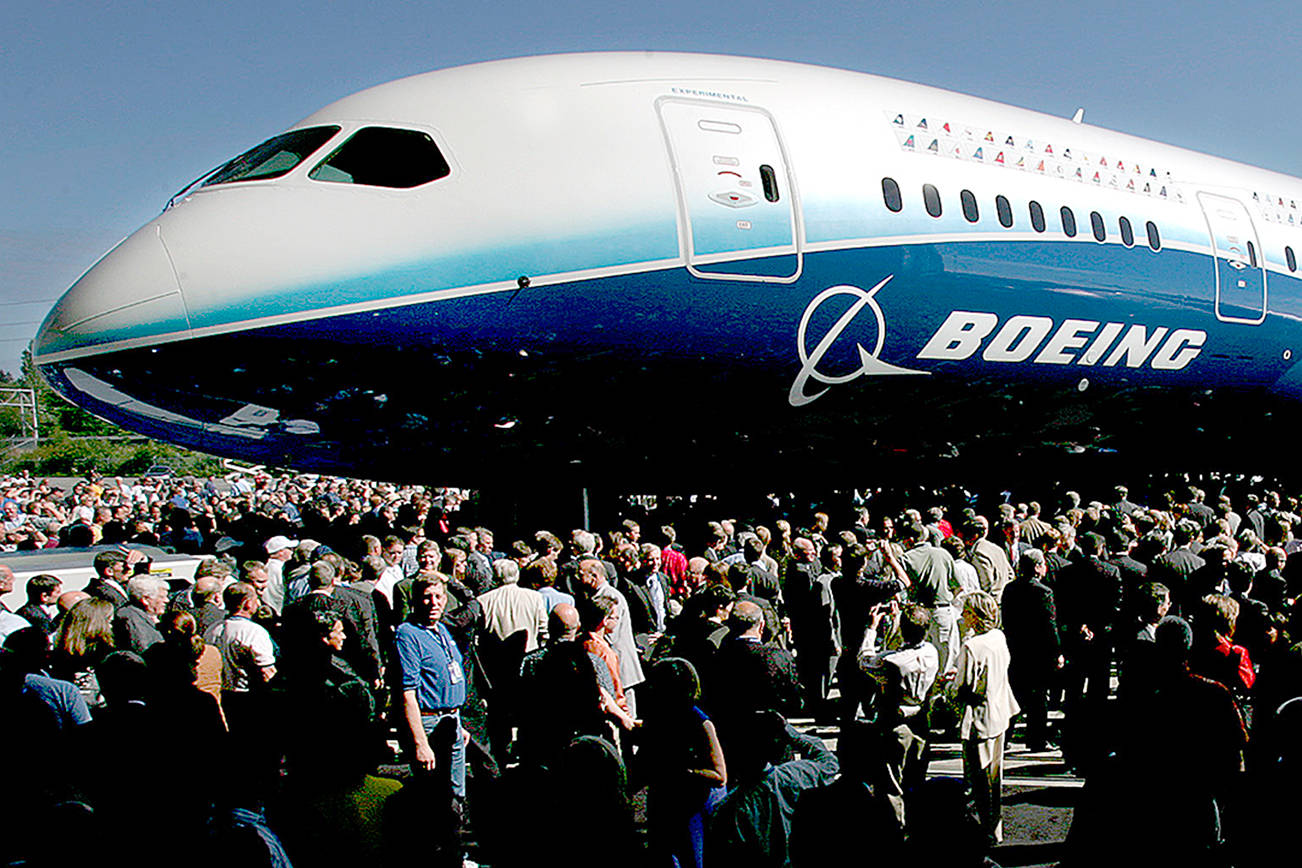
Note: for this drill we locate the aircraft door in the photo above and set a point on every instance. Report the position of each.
(737, 205)
(1239, 264)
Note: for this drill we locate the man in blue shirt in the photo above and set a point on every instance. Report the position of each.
(433, 686)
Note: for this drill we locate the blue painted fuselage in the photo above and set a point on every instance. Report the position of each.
(786, 271)
(662, 375)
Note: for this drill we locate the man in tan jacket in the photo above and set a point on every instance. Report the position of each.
(992, 566)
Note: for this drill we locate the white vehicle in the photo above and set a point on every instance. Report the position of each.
(75, 568)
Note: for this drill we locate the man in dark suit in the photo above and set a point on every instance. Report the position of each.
(1174, 568)
(856, 595)
(361, 624)
(749, 675)
(1199, 511)
(1136, 643)
(135, 625)
(811, 609)
(1089, 598)
(630, 581)
(1124, 505)
(697, 633)
(40, 610)
(582, 545)
(1030, 624)
(1207, 579)
(1134, 573)
(326, 593)
(1013, 544)
(1269, 585)
(762, 583)
(1256, 516)
(205, 594)
(740, 577)
(1055, 556)
(111, 572)
(656, 582)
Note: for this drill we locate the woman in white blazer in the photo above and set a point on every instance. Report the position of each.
(982, 691)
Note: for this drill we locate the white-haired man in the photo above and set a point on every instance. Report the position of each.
(135, 626)
(510, 608)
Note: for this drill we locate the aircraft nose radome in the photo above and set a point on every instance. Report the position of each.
(132, 293)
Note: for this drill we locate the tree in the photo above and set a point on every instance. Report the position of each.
(68, 444)
(57, 414)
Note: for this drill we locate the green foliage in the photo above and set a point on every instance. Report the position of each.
(11, 422)
(61, 455)
(65, 451)
(55, 413)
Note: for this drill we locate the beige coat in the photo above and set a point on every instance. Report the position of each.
(982, 686)
(511, 608)
(993, 570)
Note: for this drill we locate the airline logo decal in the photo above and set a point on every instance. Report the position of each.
(1275, 209)
(869, 363)
(1022, 338)
(977, 144)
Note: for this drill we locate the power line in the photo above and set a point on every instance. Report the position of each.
(29, 301)
(24, 322)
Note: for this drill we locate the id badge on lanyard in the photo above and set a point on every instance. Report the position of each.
(455, 675)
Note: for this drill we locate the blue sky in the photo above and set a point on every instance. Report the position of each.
(106, 109)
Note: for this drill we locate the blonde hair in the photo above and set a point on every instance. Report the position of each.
(984, 609)
(1222, 613)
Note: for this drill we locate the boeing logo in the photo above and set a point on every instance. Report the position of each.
(964, 332)
(869, 363)
(1022, 338)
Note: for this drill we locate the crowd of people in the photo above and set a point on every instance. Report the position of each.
(354, 674)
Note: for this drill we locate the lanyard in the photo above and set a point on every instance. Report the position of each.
(455, 675)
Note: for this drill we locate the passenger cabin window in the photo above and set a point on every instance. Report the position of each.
(891, 194)
(1096, 223)
(273, 158)
(1037, 216)
(1127, 233)
(931, 199)
(384, 157)
(1068, 222)
(1154, 239)
(969, 206)
(1290, 258)
(1005, 212)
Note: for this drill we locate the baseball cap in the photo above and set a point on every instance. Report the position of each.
(279, 544)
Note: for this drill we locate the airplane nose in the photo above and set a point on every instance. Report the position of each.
(131, 295)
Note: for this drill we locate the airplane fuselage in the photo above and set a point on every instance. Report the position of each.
(674, 265)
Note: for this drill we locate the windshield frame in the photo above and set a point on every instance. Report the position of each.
(212, 178)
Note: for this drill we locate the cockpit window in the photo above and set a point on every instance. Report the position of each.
(384, 157)
(274, 157)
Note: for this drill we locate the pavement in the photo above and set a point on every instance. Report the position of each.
(1039, 795)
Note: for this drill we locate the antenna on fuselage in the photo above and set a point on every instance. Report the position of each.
(521, 282)
(1079, 117)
